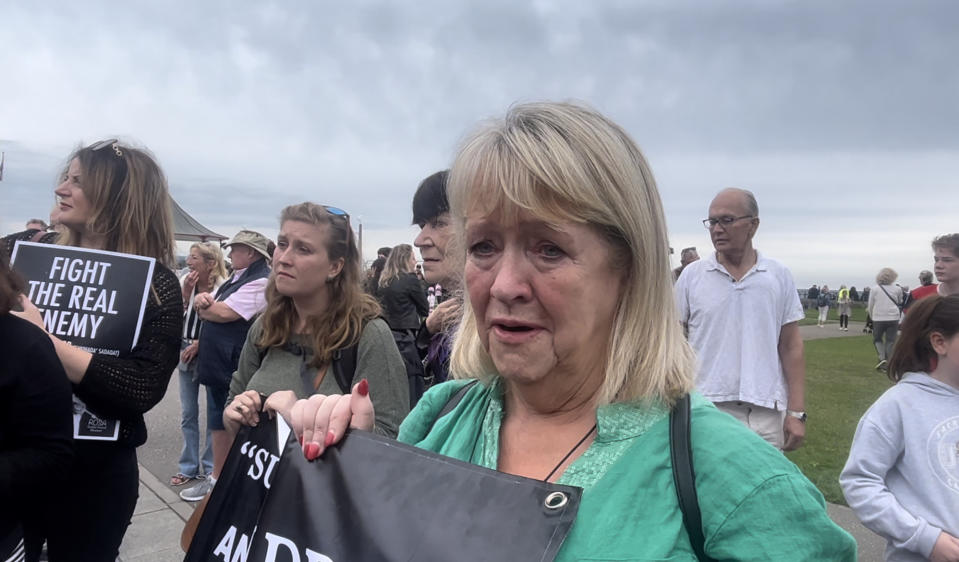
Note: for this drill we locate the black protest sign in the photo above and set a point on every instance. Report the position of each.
(234, 507)
(372, 498)
(91, 298)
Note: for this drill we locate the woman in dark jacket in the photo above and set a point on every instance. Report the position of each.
(36, 427)
(404, 305)
(112, 197)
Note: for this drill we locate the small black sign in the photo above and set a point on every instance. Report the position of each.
(91, 298)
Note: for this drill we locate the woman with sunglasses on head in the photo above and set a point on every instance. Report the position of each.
(113, 197)
(317, 312)
(207, 271)
(404, 303)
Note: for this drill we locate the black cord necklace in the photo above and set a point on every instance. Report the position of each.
(571, 451)
(555, 468)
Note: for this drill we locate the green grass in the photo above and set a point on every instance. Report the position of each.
(841, 384)
(812, 316)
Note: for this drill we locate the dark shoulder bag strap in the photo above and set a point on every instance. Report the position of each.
(894, 301)
(684, 477)
(344, 367)
(452, 402)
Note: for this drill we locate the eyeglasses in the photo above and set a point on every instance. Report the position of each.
(723, 221)
(112, 143)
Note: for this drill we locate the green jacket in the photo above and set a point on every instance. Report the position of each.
(756, 504)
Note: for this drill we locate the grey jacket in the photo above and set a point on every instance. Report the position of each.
(902, 475)
(377, 360)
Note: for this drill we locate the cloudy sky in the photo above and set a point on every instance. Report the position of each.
(841, 117)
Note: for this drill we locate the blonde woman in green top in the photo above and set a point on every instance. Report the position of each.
(570, 328)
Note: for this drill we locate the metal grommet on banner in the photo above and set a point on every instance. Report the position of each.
(556, 500)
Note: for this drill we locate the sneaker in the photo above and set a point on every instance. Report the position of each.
(880, 366)
(198, 491)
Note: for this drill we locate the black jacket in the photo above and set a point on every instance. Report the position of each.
(404, 302)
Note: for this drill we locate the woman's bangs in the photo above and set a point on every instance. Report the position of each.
(499, 183)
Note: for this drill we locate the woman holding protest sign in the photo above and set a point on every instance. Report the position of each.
(113, 197)
(579, 355)
(320, 331)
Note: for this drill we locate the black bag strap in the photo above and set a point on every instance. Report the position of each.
(894, 301)
(452, 402)
(344, 367)
(684, 477)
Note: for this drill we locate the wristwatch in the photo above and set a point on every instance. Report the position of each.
(799, 415)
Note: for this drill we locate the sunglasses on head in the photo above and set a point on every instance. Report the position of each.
(336, 211)
(112, 143)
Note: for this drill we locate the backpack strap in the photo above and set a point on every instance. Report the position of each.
(684, 477)
(344, 367)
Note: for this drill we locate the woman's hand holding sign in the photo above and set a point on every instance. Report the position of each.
(30, 313)
(244, 410)
(321, 421)
(75, 361)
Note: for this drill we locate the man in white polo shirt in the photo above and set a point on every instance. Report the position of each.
(741, 312)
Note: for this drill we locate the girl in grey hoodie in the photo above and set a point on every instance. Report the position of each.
(902, 475)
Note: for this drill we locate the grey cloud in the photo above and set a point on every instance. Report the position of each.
(279, 102)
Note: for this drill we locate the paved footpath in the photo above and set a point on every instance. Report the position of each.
(154, 534)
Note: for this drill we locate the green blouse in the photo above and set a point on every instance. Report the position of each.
(756, 504)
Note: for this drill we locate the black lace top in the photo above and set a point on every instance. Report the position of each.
(128, 386)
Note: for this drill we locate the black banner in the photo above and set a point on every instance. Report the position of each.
(372, 498)
(91, 298)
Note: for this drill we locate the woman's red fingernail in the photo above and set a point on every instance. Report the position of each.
(330, 437)
(312, 451)
(363, 389)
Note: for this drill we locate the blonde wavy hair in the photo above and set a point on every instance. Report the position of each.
(350, 308)
(397, 263)
(212, 254)
(567, 163)
(130, 200)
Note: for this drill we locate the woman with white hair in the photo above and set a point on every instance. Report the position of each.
(885, 309)
(568, 363)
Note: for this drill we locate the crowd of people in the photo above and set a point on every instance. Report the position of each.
(887, 303)
(530, 339)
